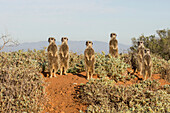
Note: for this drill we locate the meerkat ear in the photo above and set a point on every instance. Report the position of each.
(92, 43)
(49, 39)
(67, 39)
(54, 39)
(62, 39)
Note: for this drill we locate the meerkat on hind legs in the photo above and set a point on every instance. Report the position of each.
(147, 64)
(140, 55)
(89, 57)
(113, 45)
(64, 55)
(52, 53)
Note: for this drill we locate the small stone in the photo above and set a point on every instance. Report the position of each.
(74, 83)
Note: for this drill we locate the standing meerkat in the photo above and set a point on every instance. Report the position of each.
(52, 56)
(134, 61)
(140, 55)
(147, 64)
(64, 56)
(89, 59)
(113, 45)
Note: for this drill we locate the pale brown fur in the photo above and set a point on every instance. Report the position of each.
(64, 56)
(140, 55)
(52, 56)
(147, 64)
(89, 57)
(113, 45)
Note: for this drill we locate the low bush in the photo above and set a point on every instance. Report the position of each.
(162, 67)
(103, 96)
(21, 85)
(76, 63)
(115, 68)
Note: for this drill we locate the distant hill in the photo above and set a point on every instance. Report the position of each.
(75, 46)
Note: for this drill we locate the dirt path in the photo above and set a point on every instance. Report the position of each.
(60, 91)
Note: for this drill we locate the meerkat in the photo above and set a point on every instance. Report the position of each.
(134, 61)
(113, 45)
(64, 56)
(52, 56)
(147, 64)
(140, 55)
(89, 59)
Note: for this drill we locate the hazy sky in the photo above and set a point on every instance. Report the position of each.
(36, 20)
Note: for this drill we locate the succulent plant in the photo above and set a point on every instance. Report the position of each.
(103, 96)
(21, 85)
(112, 67)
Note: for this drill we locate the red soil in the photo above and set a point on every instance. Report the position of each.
(61, 90)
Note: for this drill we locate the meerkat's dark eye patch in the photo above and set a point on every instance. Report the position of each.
(65, 38)
(87, 42)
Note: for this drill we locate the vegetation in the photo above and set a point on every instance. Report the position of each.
(112, 67)
(103, 96)
(158, 45)
(21, 85)
(76, 63)
(162, 67)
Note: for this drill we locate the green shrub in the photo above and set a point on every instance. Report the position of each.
(103, 96)
(162, 67)
(158, 45)
(21, 85)
(108, 66)
(76, 63)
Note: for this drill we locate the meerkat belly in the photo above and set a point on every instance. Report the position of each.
(89, 62)
(148, 60)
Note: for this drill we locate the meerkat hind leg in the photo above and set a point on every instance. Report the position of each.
(61, 71)
(65, 71)
(149, 74)
(144, 75)
(91, 75)
(55, 70)
(51, 71)
(87, 74)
